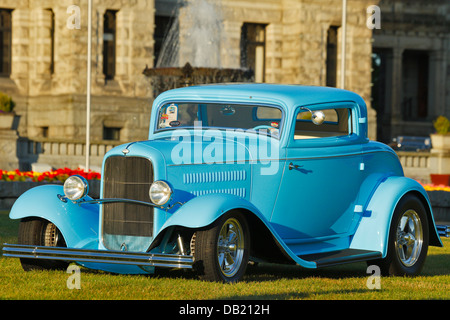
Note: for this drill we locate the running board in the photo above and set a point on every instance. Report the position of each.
(102, 256)
(334, 258)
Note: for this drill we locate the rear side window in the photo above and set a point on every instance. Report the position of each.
(337, 122)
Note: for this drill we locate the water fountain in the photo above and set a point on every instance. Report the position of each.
(192, 50)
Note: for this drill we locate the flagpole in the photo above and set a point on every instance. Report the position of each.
(344, 40)
(88, 86)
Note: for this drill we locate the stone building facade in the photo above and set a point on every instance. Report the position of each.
(281, 41)
(47, 76)
(293, 41)
(412, 67)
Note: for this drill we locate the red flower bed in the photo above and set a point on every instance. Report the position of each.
(50, 176)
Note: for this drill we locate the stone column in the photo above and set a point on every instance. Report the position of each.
(43, 42)
(436, 94)
(8, 143)
(20, 49)
(274, 35)
(123, 45)
(397, 95)
(231, 53)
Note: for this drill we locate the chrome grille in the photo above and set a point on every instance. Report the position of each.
(127, 178)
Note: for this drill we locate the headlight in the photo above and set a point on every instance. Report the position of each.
(75, 187)
(160, 192)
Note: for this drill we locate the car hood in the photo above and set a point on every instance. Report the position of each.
(195, 149)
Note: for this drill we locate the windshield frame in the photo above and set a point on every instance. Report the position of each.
(281, 122)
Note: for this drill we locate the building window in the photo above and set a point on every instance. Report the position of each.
(415, 85)
(111, 133)
(109, 44)
(380, 92)
(331, 62)
(44, 132)
(162, 25)
(5, 42)
(253, 49)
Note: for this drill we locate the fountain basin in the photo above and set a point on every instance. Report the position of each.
(166, 78)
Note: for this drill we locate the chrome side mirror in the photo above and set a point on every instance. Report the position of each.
(317, 117)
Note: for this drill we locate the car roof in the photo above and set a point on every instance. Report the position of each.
(290, 95)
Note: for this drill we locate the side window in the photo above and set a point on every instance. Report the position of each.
(337, 123)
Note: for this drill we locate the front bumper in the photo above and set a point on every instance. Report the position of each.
(98, 256)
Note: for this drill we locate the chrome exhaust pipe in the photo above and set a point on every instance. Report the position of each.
(443, 231)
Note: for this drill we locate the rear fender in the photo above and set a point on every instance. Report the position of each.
(77, 223)
(373, 230)
(202, 211)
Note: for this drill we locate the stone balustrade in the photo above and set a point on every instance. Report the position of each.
(416, 165)
(60, 153)
(419, 165)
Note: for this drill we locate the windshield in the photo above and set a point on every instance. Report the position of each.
(257, 119)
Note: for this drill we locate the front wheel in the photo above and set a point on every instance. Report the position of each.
(221, 252)
(41, 232)
(408, 239)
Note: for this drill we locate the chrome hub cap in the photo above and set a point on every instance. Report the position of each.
(230, 247)
(409, 239)
(51, 235)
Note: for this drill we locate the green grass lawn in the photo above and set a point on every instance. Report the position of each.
(265, 281)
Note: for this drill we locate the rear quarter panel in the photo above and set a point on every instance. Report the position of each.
(383, 187)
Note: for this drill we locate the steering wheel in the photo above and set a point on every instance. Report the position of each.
(263, 126)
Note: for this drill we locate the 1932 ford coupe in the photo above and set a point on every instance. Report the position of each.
(232, 173)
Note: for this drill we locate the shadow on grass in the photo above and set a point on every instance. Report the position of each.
(295, 295)
(267, 272)
(436, 265)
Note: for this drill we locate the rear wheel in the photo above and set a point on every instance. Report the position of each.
(408, 239)
(221, 252)
(41, 232)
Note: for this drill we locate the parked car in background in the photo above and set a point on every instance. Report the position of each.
(411, 143)
(232, 173)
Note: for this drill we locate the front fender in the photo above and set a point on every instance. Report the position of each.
(77, 223)
(202, 211)
(373, 230)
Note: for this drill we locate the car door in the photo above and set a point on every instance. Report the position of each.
(318, 194)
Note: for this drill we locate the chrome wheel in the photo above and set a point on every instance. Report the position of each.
(230, 247)
(407, 245)
(51, 235)
(221, 251)
(409, 238)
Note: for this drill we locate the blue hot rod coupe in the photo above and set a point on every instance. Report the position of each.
(233, 173)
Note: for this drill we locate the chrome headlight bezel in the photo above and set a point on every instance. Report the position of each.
(75, 187)
(160, 192)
